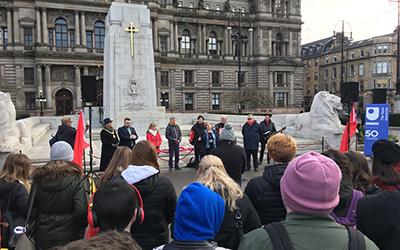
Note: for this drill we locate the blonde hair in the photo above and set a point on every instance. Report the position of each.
(152, 124)
(212, 174)
(65, 119)
(119, 162)
(17, 168)
(282, 148)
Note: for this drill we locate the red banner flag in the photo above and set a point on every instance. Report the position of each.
(344, 147)
(80, 143)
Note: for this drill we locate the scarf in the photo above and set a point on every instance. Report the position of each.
(153, 132)
(377, 181)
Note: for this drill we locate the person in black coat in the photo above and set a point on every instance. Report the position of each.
(251, 131)
(110, 142)
(232, 155)
(174, 136)
(264, 191)
(127, 134)
(238, 208)
(158, 193)
(220, 126)
(378, 215)
(267, 129)
(14, 188)
(59, 213)
(198, 131)
(66, 132)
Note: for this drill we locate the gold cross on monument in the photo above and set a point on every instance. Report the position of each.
(132, 30)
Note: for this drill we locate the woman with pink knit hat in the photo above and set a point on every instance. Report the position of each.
(310, 192)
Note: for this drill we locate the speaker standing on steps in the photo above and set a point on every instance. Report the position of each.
(88, 89)
(379, 96)
(349, 92)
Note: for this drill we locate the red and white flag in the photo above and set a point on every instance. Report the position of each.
(344, 147)
(80, 143)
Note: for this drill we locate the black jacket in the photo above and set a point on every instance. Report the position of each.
(219, 126)
(251, 136)
(234, 158)
(67, 134)
(198, 134)
(228, 235)
(159, 201)
(124, 137)
(264, 192)
(378, 218)
(172, 133)
(59, 213)
(264, 129)
(190, 245)
(15, 195)
(109, 140)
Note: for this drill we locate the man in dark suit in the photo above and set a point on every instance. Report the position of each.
(127, 134)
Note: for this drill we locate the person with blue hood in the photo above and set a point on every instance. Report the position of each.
(198, 218)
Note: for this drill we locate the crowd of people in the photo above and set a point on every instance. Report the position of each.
(328, 200)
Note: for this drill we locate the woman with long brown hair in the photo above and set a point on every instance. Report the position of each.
(119, 162)
(158, 193)
(14, 189)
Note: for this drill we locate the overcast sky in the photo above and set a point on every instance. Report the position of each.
(368, 18)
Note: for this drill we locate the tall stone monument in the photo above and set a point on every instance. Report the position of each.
(129, 74)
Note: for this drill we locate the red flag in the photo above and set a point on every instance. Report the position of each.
(344, 147)
(80, 143)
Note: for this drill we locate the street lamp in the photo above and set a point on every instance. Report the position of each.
(41, 100)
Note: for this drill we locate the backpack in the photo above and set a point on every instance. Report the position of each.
(281, 241)
(351, 216)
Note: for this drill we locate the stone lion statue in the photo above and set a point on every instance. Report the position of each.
(322, 119)
(9, 132)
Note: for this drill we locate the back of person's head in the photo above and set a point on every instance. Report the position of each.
(114, 205)
(55, 171)
(228, 133)
(119, 162)
(61, 151)
(282, 148)
(16, 168)
(212, 173)
(110, 240)
(199, 214)
(386, 162)
(144, 153)
(361, 172)
(311, 184)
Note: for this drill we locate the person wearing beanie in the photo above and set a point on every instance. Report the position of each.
(232, 155)
(198, 218)
(61, 151)
(197, 132)
(310, 192)
(251, 132)
(378, 215)
(264, 191)
(267, 130)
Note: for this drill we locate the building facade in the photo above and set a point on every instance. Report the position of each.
(371, 62)
(46, 46)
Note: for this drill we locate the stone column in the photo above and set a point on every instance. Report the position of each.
(271, 86)
(204, 39)
(171, 36)
(9, 27)
(39, 79)
(156, 43)
(77, 34)
(226, 42)
(199, 39)
(78, 87)
(176, 37)
(291, 89)
(290, 44)
(19, 71)
(229, 41)
(47, 79)
(16, 26)
(251, 42)
(83, 29)
(38, 29)
(85, 71)
(45, 34)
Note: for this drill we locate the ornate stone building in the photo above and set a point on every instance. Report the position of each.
(46, 46)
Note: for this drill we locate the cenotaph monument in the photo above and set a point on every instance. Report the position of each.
(129, 73)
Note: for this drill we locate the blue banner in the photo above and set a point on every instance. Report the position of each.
(376, 125)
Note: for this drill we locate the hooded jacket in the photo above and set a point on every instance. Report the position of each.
(264, 192)
(67, 134)
(159, 201)
(59, 213)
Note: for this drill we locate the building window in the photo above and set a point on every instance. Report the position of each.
(207, 6)
(279, 45)
(280, 99)
(189, 101)
(334, 72)
(191, 5)
(89, 39)
(316, 76)
(71, 38)
(163, 44)
(180, 4)
(279, 79)
(188, 76)
(29, 76)
(326, 60)
(216, 101)
(381, 68)
(326, 74)
(218, 8)
(212, 43)
(28, 36)
(185, 42)
(361, 69)
(51, 39)
(362, 53)
(99, 33)
(352, 56)
(30, 100)
(165, 78)
(381, 49)
(215, 77)
(61, 33)
(5, 37)
(164, 99)
(316, 63)
(352, 70)
(334, 59)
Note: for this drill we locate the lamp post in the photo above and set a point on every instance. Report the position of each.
(41, 100)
